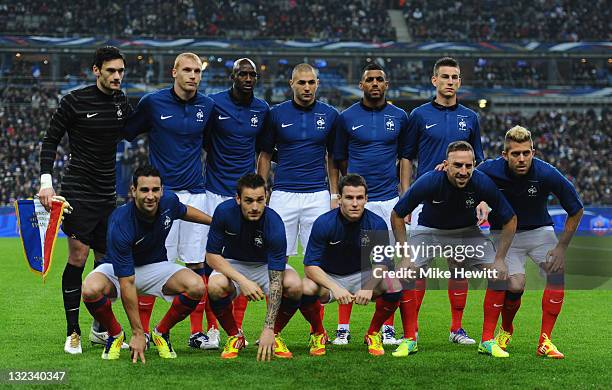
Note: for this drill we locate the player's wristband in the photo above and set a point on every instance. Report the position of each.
(334, 196)
(46, 181)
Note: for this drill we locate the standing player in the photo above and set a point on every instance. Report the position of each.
(237, 121)
(247, 248)
(432, 127)
(174, 119)
(136, 262)
(371, 137)
(334, 269)
(449, 201)
(527, 182)
(93, 117)
(301, 129)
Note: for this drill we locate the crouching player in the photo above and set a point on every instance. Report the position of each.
(136, 263)
(448, 219)
(247, 248)
(526, 183)
(334, 270)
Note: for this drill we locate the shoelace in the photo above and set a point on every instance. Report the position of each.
(389, 333)
(342, 333)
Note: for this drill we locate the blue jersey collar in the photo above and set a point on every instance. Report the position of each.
(443, 108)
(178, 99)
(372, 109)
(302, 108)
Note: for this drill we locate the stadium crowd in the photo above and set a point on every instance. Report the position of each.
(327, 19)
(498, 20)
(550, 20)
(576, 142)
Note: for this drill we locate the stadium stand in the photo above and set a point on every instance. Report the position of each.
(327, 19)
(498, 20)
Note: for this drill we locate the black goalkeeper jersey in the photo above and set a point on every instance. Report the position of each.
(93, 121)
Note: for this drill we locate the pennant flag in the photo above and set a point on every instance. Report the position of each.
(38, 229)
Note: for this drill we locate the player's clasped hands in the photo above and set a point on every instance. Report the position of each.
(266, 345)
(363, 297)
(137, 346)
(343, 296)
(251, 290)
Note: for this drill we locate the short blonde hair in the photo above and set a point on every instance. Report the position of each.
(192, 56)
(517, 134)
(304, 67)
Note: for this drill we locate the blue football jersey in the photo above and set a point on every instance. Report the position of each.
(232, 138)
(432, 127)
(176, 135)
(528, 194)
(372, 140)
(448, 207)
(234, 237)
(132, 241)
(302, 136)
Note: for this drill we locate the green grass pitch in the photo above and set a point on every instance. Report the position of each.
(33, 331)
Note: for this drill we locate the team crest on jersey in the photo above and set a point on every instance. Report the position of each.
(119, 112)
(200, 116)
(320, 121)
(532, 191)
(469, 202)
(461, 123)
(365, 238)
(258, 239)
(167, 222)
(389, 123)
(254, 121)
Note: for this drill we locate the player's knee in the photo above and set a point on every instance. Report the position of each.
(293, 290)
(91, 290)
(195, 288)
(516, 283)
(216, 288)
(78, 258)
(309, 287)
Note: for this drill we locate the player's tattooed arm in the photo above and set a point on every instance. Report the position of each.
(276, 294)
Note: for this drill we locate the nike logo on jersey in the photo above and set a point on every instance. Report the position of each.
(221, 118)
(356, 127)
(334, 242)
(283, 125)
(139, 241)
(165, 117)
(230, 233)
(430, 126)
(437, 201)
(92, 115)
